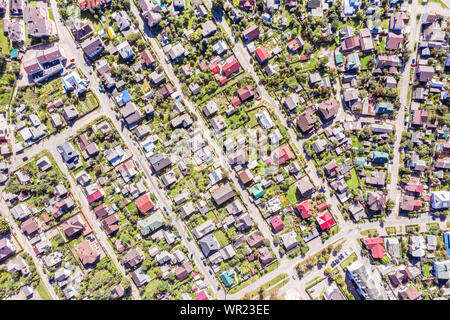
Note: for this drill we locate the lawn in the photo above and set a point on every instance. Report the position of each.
(43, 292)
(426, 269)
(391, 230)
(221, 238)
(267, 285)
(353, 181)
(369, 232)
(364, 61)
(32, 4)
(4, 40)
(352, 258)
(433, 226)
(448, 224)
(291, 194)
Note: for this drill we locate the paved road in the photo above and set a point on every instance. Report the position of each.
(4, 210)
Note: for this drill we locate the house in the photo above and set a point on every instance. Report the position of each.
(441, 269)
(188, 209)
(101, 211)
(376, 201)
(251, 33)
(92, 47)
(394, 41)
(424, 73)
(262, 55)
(380, 157)
(159, 162)
(157, 78)
(248, 5)
(305, 210)
(73, 226)
(366, 41)
(69, 113)
(319, 145)
(144, 204)
(400, 276)
(255, 240)
(332, 169)
(231, 65)
(125, 50)
(409, 203)
(244, 223)
(291, 102)
(208, 28)
(222, 194)
(277, 224)
(52, 259)
(440, 200)
(7, 248)
(38, 22)
(325, 221)
(351, 44)
(92, 4)
(397, 22)
(209, 245)
(110, 224)
(81, 29)
(228, 276)
(280, 156)
(357, 211)
(409, 294)
(328, 109)
(246, 93)
(393, 247)
(146, 58)
(377, 179)
(368, 284)
(305, 187)
(16, 7)
(295, 44)
(29, 226)
(353, 62)
(151, 223)
(306, 121)
(21, 211)
(384, 108)
(139, 277)
(375, 245)
(133, 257)
(289, 240)
(210, 109)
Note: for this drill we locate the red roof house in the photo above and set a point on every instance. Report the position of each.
(277, 224)
(231, 66)
(305, 209)
(144, 204)
(223, 80)
(214, 68)
(325, 221)
(235, 101)
(414, 188)
(97, 195)
(246, 93)
(261, 55)
(375, 245)
(281, 155)
(322, 206)
(201, 295)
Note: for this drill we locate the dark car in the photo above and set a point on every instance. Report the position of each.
(25, 158)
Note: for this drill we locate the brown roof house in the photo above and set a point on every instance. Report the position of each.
(306, 120)
(87, 252)
(133, 257)
(376, 201)
(328, 109)
(222, 194)
(73, 226)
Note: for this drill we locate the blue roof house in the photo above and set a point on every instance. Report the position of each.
(123, 98)
(384, 108)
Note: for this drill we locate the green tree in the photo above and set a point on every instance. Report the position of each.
(4, 226)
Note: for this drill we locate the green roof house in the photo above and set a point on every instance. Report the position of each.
(380, 157)
(360, 162)
(14, 53)
(228, 277)
(151, 223)
(257, 192)
(384, 108)
(442, 269)
(339, 58)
